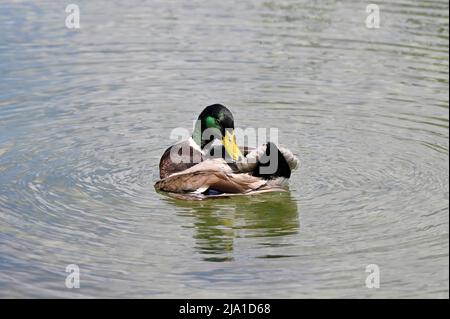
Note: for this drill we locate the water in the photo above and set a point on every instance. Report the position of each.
(86, 114)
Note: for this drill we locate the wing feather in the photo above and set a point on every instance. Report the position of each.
(214, 173)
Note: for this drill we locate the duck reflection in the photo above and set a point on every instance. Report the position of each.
(218, 222)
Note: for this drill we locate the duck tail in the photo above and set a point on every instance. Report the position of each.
(272, 164)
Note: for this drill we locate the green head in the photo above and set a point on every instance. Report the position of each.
(216, 122)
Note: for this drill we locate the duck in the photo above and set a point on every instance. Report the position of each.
(210, 164)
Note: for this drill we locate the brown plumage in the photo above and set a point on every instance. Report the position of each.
(187, 159)
(216, 174)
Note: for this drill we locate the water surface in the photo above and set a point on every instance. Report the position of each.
(85, 115)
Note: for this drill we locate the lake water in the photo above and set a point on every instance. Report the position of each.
(85, 115)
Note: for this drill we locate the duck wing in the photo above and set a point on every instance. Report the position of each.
(215, 174)
(185, 156)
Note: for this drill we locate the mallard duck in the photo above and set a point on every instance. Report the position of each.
(210, 164)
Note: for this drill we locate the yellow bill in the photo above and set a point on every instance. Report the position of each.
(229, 142)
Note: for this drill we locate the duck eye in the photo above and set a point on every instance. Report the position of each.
(211, 121)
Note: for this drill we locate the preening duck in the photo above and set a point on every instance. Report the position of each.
(210, 164)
